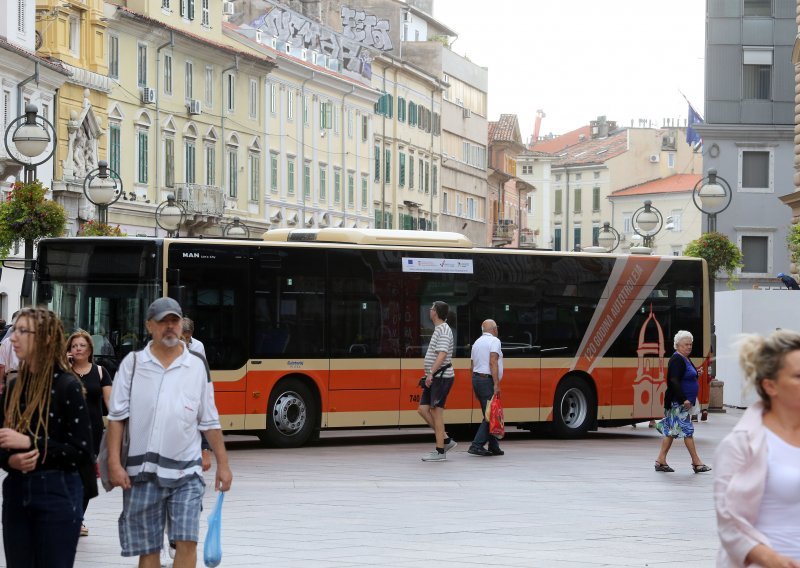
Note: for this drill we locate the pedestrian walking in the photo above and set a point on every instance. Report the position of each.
(188, 337)
(757, 478)
(439, 377)
(46, 436)
(682, 389)
(164, 394)
(97, 388)
(487, 372)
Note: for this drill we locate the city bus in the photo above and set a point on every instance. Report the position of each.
(315, 329)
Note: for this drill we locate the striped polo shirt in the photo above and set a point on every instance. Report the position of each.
(166, 411)
(441, 340)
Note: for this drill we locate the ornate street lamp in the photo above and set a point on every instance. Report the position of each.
(712, 195)
(647, 222)
(608, 238)
(30, 135)
(170, 216)
(102, 189)
(236, 230)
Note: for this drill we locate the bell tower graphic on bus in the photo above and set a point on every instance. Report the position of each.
(649, 385)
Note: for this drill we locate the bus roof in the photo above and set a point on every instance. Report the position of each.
(378, 237)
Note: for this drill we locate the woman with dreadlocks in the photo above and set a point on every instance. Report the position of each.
(46, 436)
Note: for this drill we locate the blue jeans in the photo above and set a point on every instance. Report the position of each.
(42, 513)
(484, 389)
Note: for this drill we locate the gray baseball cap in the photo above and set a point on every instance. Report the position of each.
(162, 307)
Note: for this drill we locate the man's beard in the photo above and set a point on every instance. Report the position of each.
(170, 341)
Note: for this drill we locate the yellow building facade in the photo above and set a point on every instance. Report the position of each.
(186, 117)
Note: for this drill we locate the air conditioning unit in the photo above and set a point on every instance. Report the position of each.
(227, 8)
(148, 95)
(654, 158)
(460, 102)
(466, 112)
(194, 107)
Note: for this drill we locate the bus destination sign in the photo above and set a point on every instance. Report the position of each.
(438, 265)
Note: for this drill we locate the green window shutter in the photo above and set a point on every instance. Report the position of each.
(402, 170)
(387, 166)
(411, 172)
(378, 224)
(390, 105)
(377, 163)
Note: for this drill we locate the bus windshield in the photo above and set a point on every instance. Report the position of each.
(101, 287)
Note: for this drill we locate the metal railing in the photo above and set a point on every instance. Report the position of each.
(200, 199)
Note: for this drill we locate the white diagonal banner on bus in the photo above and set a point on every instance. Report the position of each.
(630, 283)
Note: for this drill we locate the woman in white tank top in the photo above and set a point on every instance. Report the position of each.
(757, 480)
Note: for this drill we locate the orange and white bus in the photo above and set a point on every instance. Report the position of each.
(320, 329)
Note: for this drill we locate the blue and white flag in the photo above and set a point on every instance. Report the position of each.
(693, 137)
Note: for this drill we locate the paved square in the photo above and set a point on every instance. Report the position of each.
(371, 502)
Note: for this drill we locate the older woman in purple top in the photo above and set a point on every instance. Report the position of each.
(682, 387)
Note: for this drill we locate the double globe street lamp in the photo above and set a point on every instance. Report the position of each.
(712, 195)
(647, 221)
(170, 216)
(608, 238)
(102, 187)
(30, 135)
(236, 229)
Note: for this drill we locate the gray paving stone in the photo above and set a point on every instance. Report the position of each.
(372, 502)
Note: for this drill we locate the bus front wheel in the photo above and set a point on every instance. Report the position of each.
(291, 415)
(574, 408)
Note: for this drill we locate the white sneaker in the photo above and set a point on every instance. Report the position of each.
(450, 445)
(434, 456)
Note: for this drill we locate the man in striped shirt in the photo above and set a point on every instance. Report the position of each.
(439, 377)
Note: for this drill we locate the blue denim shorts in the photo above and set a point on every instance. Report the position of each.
(436, 395)
(145, 508)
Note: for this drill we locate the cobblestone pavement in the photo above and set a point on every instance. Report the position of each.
(370, 501)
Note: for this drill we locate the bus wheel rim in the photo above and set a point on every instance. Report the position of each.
(574, 408)
(289, 413)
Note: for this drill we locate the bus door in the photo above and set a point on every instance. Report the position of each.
(212, 284)
(364, 329)
(288, 366)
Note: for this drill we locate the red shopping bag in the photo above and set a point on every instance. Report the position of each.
(494, 415)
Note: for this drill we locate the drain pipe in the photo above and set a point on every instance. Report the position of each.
(382, 158)
(170, 43)
(20, 87)
(302, 164)
(234, 67)
(344, 159)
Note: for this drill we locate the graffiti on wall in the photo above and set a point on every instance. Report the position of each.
(366, 28)
(361, 31)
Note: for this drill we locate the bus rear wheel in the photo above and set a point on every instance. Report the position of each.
(291, 415)
(574, 408)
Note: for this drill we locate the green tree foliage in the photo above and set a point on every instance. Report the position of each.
(26, 215)
(95, 229)
(718, 251)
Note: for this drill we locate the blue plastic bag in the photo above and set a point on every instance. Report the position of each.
(212, 550)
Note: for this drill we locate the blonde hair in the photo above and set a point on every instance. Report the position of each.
(47, 353)
(85, 335)
(762, 357)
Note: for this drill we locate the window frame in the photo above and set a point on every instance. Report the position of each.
(770, 164)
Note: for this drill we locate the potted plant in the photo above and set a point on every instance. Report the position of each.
(92, 228)
(28, 216)
(719, 252)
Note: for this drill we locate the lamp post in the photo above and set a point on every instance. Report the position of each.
(236, 229)
(647, 222)
(712, 195)
(170, 216)
(30, 135)
(608, 238)
(102, 189)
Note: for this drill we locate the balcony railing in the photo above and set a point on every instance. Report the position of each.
(200, 199)
(527, 240)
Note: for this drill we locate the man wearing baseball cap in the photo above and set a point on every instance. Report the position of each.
(165, 395)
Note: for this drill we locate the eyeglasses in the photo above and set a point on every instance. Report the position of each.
(21, 331)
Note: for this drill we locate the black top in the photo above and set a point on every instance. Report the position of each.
(69, 432)
(94, 384)
(675, 372)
